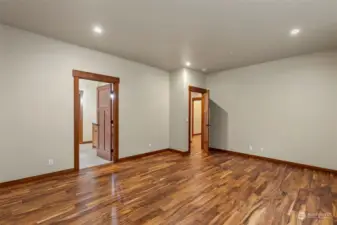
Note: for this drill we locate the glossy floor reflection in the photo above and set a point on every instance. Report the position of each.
(168, 188)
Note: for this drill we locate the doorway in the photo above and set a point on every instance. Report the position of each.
(196, 122)
(198, 127)
(96, 117)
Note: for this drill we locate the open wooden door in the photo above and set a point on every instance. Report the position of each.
(104, 120)
(206, 124)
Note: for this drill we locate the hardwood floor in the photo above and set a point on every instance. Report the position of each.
(172, 189)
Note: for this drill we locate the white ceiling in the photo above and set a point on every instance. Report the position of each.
(213, 34)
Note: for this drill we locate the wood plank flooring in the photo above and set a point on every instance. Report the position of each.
(172, 189)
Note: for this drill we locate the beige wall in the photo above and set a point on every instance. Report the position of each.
(285, 109)
(197, 117)
(36, 86)
(195, 95)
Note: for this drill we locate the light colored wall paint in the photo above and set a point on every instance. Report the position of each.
(179, 82)
(89, 104)
(287, 107)
(36, 86)
(194, 95)
(197, 117)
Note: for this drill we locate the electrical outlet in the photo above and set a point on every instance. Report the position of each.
(251, 147)
(150, 145)
(51, 162)
(262, 149)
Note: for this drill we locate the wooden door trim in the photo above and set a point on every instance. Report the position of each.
(197, 89)
(201, 91)
(95, 77)
(205, 123)
(115, 112)
(101, 78)
(193, 101)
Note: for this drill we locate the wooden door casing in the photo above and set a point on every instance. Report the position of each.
(206, 124)
(115, 81)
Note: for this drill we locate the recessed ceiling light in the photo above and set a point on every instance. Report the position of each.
(98, 29)
(204, 69)
(295, 32)
(188, 63)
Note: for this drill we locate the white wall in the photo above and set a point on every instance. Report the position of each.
(89, 106)
(287, 107)
(179, 82)
(36, 94)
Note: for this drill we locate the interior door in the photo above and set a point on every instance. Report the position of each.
(206, 124)
(104, 120)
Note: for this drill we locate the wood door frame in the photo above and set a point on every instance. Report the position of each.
(193, 101)
(101, 78)
(201, 91)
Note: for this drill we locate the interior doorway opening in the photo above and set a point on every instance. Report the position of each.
(96, 103)
(196, 122)
(198, 127)
(96, 99)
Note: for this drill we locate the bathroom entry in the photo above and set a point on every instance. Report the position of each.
(96, 113)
